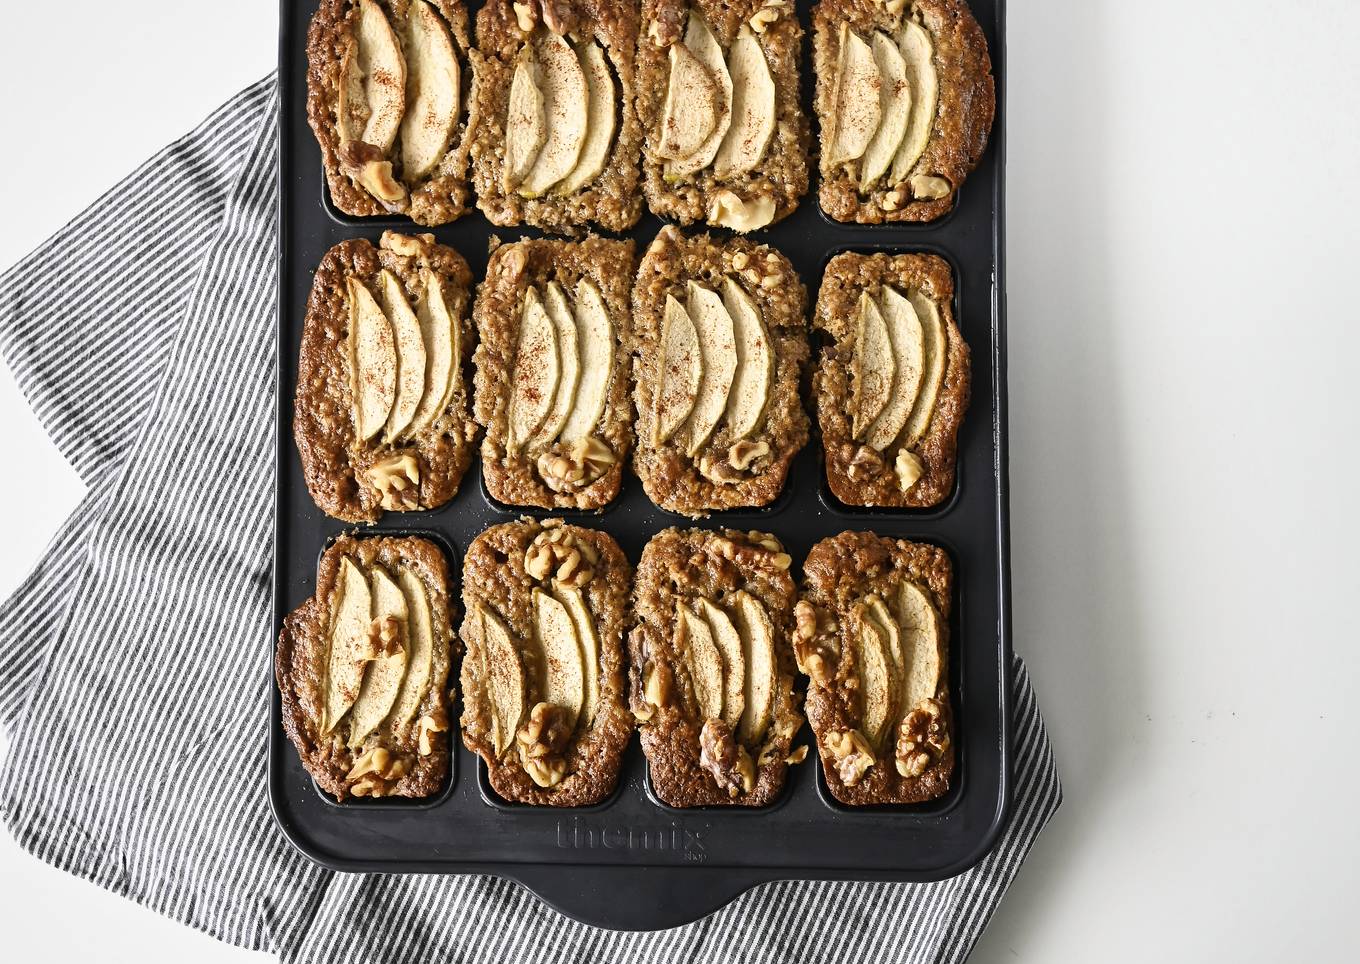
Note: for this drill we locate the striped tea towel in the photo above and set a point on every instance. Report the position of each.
(135, 659)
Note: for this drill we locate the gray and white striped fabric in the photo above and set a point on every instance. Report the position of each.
(135, 659)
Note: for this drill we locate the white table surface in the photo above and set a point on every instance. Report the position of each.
(1184, 366)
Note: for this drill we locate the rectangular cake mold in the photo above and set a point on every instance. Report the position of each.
(632, 862)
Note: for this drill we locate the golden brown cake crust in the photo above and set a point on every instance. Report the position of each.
(612, 200)
(494, 576)
(500, 299)
(963, 118)
(300, 669)
(671, 478)
(783, 172)
(680, 565)
(442, 195)
(846, 276)
(838, 572)
(323, 424)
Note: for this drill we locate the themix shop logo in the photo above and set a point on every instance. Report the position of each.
(685, 842)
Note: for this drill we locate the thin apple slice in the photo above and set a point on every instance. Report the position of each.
(569, 359)
(372, 361)
(917, 52)
(872, 662)
(753, 114)
(563, 674)
(566, 103)
(433, 91)
(382, 679)
(936, 347)
(410, 356)
(703, 659)
(372, 97)
(679, 370)
(921, 642)
(535, 373)
(734, 661)
(855, 102)
(894, 645)
(503, 672)
(599, 119)
(419, 647)
(908, 347)
(872, 367)
(589, 638)
(895, 109)
(700, 41)
(690, 111)
(350, 646)
(718, 348)
(439, 330)
(595, 342)
(757, 644)
(526, 120)
(755, 361)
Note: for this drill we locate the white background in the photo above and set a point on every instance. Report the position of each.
(1184, 346)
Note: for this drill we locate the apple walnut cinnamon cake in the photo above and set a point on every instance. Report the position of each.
(720, 338)
(362, 668)
(543, 680)
(718, 101)
(905, 99)
(892, 384)
(557, 139)
(711, 667)
(552, 372)
(381, 412)
(387, 95)
(873, 638)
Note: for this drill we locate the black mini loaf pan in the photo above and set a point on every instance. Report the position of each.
(632, 862)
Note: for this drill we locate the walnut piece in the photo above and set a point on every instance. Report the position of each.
(744, 453)
(929, 187)
(406, 245)
(744, 554)
(852, 754)
(397, 480)
(909, 470)
(585, 464)
(729, 764)
(556, 553)
(542, 744)
(865, 463)
(922, 738)
(814, 643)
(381, 767)
(524, 16)
(426, 727)
(731, 210)
(658, 691)
(766, 15)
(384, 637)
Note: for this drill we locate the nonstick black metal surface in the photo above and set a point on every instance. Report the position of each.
(633, 862)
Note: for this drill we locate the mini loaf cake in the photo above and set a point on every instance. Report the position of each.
(873, 638)
(711, 668)
(362, 668)
(552, 372)
(892, 384)
(387, 95)
(718, 100)
(720, 339)
(905, 100)
(381, 412)
(557, 140)
(543, 679)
